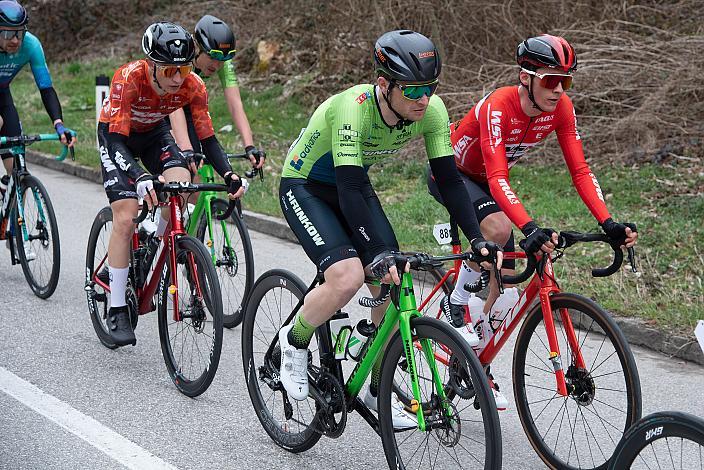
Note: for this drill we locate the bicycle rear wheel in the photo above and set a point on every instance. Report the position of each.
(41, 272)
(229, 243)
(191, 345)
(463, 430)
(99, 298)
(291, 424)
(581, 430)
(666, 440)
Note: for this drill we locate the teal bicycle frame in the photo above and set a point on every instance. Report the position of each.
(13, 187)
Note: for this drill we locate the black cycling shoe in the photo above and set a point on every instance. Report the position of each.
(120, 327)
(454, 313)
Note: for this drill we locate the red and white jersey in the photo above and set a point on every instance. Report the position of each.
(134, 106)
(496, 133)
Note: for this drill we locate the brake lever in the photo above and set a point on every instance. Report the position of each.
(497, 276)
(632, 259)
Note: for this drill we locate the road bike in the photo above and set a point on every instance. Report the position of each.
(228, 243)
(457, 421)
(575, 380)
(27, 218)
(183, 279)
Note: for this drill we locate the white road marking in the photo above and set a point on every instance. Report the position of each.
(93, 432)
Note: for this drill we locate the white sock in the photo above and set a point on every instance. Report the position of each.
(460, 296)
(162, 227)
(118, 286)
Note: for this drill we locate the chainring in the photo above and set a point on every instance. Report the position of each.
(331, 416)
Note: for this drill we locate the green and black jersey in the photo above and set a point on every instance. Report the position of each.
(347, 129)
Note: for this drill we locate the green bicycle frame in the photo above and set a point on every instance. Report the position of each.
(203, 203)
(402, 315)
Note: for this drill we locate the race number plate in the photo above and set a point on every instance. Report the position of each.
(441, 232)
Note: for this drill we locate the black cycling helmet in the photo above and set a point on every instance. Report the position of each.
(546, 51)
(407, 56)
(12, 14)
(168, 43)
(215, 38)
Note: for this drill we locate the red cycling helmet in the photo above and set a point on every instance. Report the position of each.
(546, 51)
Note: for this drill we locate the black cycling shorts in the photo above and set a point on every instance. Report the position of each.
(11, 125)
(482, 201)
(312, 210)
(155, 148)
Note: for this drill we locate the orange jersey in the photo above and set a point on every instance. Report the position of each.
(496, 133)
(134, 106)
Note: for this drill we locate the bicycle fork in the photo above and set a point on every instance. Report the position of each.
(547, 288)
(408, 348)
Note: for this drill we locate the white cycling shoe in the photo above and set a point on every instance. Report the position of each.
(402, 419)
(455, 314)
(29, 254)
(499, 398)
(293, 367)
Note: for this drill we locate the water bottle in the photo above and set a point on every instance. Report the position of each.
(503, 305)
(475, 305)
(483, 330)
(340, 333)
(364, 330)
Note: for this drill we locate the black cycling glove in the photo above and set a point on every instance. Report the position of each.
(252, 151)
(381, 263)
(233, 184)
(616, 230)
(478, 243)
(535, 237)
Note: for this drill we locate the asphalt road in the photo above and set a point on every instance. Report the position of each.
(67, 402)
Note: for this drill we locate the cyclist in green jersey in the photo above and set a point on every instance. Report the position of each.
(330, 205)
(215, 52)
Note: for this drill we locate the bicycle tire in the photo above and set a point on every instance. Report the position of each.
(98, 318)
(42, 286)
(587, 397)
(447, 437)
(263, 304)
(637, 448)
(94, 238)
(235, 288)
(194, 322)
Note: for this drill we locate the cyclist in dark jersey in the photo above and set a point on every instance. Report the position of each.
(330, 205)
(132, 125)
(215, 52)
(495, 134)
(18, 47)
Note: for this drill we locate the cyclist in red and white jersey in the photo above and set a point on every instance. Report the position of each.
(495, 134)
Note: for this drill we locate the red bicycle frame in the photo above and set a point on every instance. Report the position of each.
(145, 293)
(541, 287)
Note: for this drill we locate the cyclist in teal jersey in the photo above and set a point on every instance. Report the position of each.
(215, 44)
(19, 47)
(330, 205)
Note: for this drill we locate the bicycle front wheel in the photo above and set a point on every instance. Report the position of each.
(462, 429)
(580, 430)
(291, 424)
(190, 318)
(231, 250)
(39, 254)
(667, 440)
